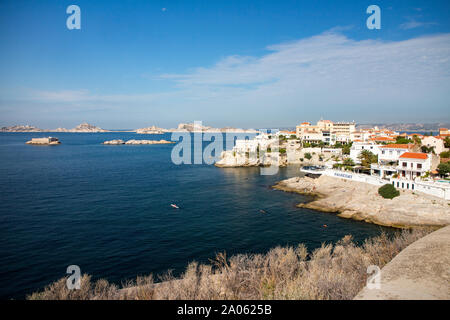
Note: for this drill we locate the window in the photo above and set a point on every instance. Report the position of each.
(419, 166)
(403, 185)
(412, 186)
(404, 164)
(412, 165)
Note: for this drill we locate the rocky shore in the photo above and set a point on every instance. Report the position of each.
(119, 141)
(361, 201)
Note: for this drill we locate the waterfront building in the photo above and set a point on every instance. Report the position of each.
(358, 146)
(413, 165)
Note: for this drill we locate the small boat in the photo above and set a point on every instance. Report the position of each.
(325, 226)
(262, 211)
(174, 206)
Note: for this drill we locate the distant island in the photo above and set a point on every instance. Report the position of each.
(409, 127)
(88, 128)
(84, 127)
(192, 127)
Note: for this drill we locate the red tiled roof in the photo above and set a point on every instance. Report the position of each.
(414, 155)
(382, 139)
(398, 146)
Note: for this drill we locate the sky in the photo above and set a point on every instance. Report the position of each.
(242, 63)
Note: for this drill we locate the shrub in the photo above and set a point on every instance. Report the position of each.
(308, 156)
(445, 154)
(388, 191)
(336, 271)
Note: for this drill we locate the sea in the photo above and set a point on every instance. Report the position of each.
(107, 209)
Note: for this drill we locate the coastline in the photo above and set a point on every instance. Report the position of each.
(360, 201)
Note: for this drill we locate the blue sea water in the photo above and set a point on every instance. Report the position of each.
(107, 209)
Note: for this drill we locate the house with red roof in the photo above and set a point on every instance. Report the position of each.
(412, 165)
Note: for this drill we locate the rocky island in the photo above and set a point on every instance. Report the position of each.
(119, 142)
(361, 201)
(20, 128)
(192, 127)
(84, 127)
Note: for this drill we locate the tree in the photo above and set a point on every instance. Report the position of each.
(346, 149)
(445, 154)
(348, 162)
(308, 156)
(417, 140)
(447, 142)
(366, 157)
(444, 169)
(403, 140)
(426, 149)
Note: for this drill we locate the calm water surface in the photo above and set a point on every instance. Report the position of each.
(107, 209)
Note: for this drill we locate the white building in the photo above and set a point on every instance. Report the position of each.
(390, 153)
(359, 146)
(413, 165)
(436, 142)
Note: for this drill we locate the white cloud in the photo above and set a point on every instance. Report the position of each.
(412, 24)
(328, 74)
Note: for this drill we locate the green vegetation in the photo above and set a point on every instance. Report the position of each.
(444, 168)
(346, 149)
(292, 137)
(366, 157)
(445, 154)
(282, 151)
(331, 272)
(417, 140)
(308, 155)
(348, 162)
(403, 140)
(388, 191)
(426, 149)
(447, 142)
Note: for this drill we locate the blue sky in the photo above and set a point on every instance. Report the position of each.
(238, 63)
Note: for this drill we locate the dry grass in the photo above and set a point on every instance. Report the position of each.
(329, 272)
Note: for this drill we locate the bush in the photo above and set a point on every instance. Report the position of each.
(330, 272)
(445, 154)
(388, 191)
(308, 156)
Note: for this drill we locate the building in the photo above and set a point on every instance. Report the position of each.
(444, 132)
(388, 159)
(381, 139)
(413, 165)
(343, 128)
(434, 142)
(391, 153)
(326, 131)
(44, 141)
(358, 146)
